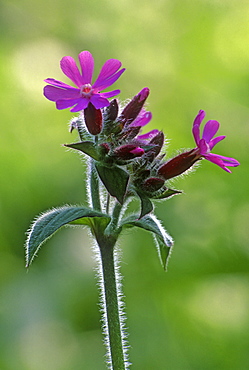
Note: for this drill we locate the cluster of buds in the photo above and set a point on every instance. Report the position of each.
(128, 163)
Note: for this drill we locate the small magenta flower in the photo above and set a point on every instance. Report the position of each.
(207, 142)
(181, 163)
(79, 97)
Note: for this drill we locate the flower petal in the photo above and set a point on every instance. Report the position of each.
(149, 135)
(142, 119)
(55, 93)
(108, 82)
(196, 125)
(110, 94)
(108, 71)
(216, 140)
(222, 161)
(81, 105)
(210, 129)
(70, 69)
(54, 82)
(99, 101)
(228, 161)
(203, 147)
(87, 66)
(66, 103)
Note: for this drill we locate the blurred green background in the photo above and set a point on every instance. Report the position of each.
(192, 55)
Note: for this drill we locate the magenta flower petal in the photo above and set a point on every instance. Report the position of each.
(210, 129)
(82, 104)
(103, 84)
(196, 134)
(99, 102)
(57, 83)
(142, 119)
(228, 161)
(196, 125)
(214, 158)
(109, 68)
(87, 66)
(54, 93)
(200, 117)
(149, 135)
(110, 94)
(214, 141)
(70, 69)
(203, 147)
(66, 103)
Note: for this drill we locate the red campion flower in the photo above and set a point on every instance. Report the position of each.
(79, 97)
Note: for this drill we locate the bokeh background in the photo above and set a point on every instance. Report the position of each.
(193, 54)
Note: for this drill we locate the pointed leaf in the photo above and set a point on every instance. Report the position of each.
(146, 205)
(87, 147)
(115, 180)
(167, 194)
(163, 240)
(48, 223)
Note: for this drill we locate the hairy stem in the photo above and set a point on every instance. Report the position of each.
(111, 304)
(94, 187)
(106, 240)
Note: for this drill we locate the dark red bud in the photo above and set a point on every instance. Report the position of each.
(104, 148)
(111, 111)
(93, 119)
(152, 184)
(158, 141)
(133, 108)
(128, 151)
(178, 165)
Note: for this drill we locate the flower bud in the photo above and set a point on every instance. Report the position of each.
(133, 108)
(158, 141)
(152, 184)
(111, 112)
(93, 119)
(128, 151)
(178, 165)
(104, 148)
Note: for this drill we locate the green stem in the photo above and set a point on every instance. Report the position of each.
(106, 240)
(111, 306)
(94, 187)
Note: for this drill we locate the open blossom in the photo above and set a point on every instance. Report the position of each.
(79, 97)
(181, 163)
(208, 141)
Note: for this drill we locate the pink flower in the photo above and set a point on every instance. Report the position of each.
(207, 142)
(79, 97)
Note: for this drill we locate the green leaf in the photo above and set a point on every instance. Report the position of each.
(146, 205)
(167, 193)
(48, 223)
(87, 147)
(115, 180)
(164, 242)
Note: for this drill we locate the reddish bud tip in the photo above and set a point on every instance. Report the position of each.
(128, 151)
(178, 165)
(104, 148)
(93, 119)
(133, 108)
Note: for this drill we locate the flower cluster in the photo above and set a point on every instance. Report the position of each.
(128, 163)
